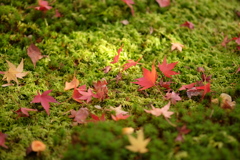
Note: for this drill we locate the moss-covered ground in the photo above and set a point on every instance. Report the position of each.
(84, 41)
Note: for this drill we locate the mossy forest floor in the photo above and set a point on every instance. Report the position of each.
(83, 41)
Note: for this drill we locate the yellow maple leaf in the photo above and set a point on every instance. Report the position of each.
(14, 72)
(138, 144)
(74, 83)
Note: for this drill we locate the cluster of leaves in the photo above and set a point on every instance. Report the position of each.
(99, 92)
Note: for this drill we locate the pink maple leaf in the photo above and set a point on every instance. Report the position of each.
(188, 24)
(148, 80)
(129, 4)
(166, 68)
(161, 111)
(43, 6)
(44, 99)
(119, 117)
(80, 115)
(116, 58)
(3, 139)
(87, 96)
(23, 112)
(163, 3)
(57, 14)
(174, 97)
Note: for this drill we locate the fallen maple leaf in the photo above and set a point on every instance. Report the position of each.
(100, 87)
(131, 63)
(166, 68)
(174, 97)
(43, 6)
(80, 115)
(227, 102)
(57, 14)
(163, 3)
(118, 110)
(3, 139)
(44, 99)
(116, 58)
(87, 96)
(125, 22)
(119, 117)
(188, 86)
(138, 144)
(237, 40)
(129, 4)
(177, 46)
(107, 69)
(188, 24)
(38, 146)
(23, 112)
(76, 95)
(95, 118)
(181, 131)
(14, 72)
(148, 80)
(73, 84)
(206, 89)
(34, 53)
(165, 84)
(127, 130)
(161, 111)
(225, 41)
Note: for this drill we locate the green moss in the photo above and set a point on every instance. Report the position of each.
(84, 41)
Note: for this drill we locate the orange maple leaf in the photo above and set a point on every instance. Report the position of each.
(149, 78)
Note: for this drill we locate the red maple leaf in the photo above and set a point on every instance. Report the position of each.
(43, 6)
(87, 96)
(95, 118)
(188, 86)
(165, 84)
(129, 3)
(76, 95)
(206, 89)
(131, 63)
(3, 139)
(149, 78)
(166, 68)
(163, 3)
(237, 40)
(100, 87)
(23, 112)
(44, 99)
(188, 24)
(116, 58)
